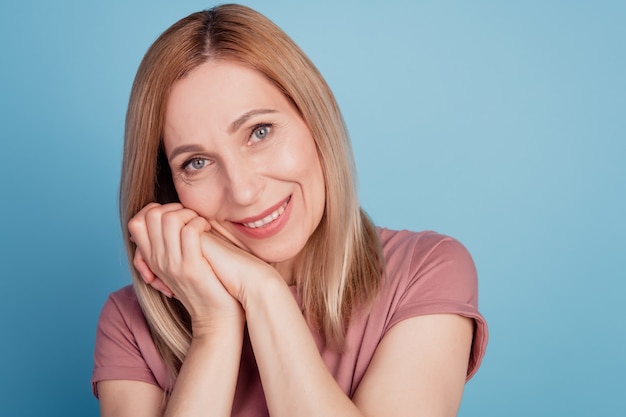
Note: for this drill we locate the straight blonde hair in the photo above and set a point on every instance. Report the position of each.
(340, 267)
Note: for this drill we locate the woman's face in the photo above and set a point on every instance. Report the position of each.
(243, 158)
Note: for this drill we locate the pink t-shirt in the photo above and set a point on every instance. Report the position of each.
(427, 273)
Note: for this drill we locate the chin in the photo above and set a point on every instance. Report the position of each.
(277, 253)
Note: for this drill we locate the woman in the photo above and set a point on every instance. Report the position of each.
(259, 285)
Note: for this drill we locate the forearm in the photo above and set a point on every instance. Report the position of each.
(295, 379)
(206, 383)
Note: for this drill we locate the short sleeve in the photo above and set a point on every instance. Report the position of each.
(123, 347)
(441, 279)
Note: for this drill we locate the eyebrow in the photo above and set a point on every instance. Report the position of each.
(234, 126)
(183, 149)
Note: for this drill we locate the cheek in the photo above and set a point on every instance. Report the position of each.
(304, 164)
(314, 168)
(300, 158)
(199, 199)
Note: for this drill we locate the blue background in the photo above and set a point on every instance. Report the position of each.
(501, 124)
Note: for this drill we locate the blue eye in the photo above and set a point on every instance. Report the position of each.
(261, 132)
(196, 164)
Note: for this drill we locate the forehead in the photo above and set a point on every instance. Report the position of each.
(222, 91)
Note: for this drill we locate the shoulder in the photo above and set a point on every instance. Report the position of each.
(124, 296)
(430, 273)
(121, 320)
(432, 260)
(121, 305)
(402, 242)
(124, 348)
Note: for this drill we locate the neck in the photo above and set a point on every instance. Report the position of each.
(285, 269)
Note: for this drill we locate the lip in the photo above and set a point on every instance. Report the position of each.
(263, 214)
(269, 229)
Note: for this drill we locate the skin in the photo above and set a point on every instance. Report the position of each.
(237, 149)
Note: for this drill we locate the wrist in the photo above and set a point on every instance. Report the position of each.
(225, 326)
(266, 295)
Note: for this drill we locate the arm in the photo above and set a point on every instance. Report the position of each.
(120, 398)
(420, 364)
(207, 380)
(168, 253)
(205, 385)
(419, 367)
(295, 379)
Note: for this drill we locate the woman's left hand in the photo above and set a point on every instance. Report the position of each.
(169, 258)
(240, 272)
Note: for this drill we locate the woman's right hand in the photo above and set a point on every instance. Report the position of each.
(169, 258)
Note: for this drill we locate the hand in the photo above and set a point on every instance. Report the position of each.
(169, 258)
(240, 272)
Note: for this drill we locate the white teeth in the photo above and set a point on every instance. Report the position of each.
(267, 219)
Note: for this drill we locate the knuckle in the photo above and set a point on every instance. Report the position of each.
(151, 206)
(199, 223)
(187, 231)
(193, 229)
(170, 218)
(153, 215)
(189, 212)
(134, 225)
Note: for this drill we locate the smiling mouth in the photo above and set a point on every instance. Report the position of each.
(269, 218)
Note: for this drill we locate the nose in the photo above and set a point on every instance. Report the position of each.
(243, 181)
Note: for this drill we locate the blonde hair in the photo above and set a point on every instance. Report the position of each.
(340, 267)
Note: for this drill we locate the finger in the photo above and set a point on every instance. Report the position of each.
(172, 224)
(215, 249)
(149, 277)
(190, 238)
(159, 285)
(152, 241)
(232, 265)
(137, 222)
(137, 228)
(142, 268)
(153, 217)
